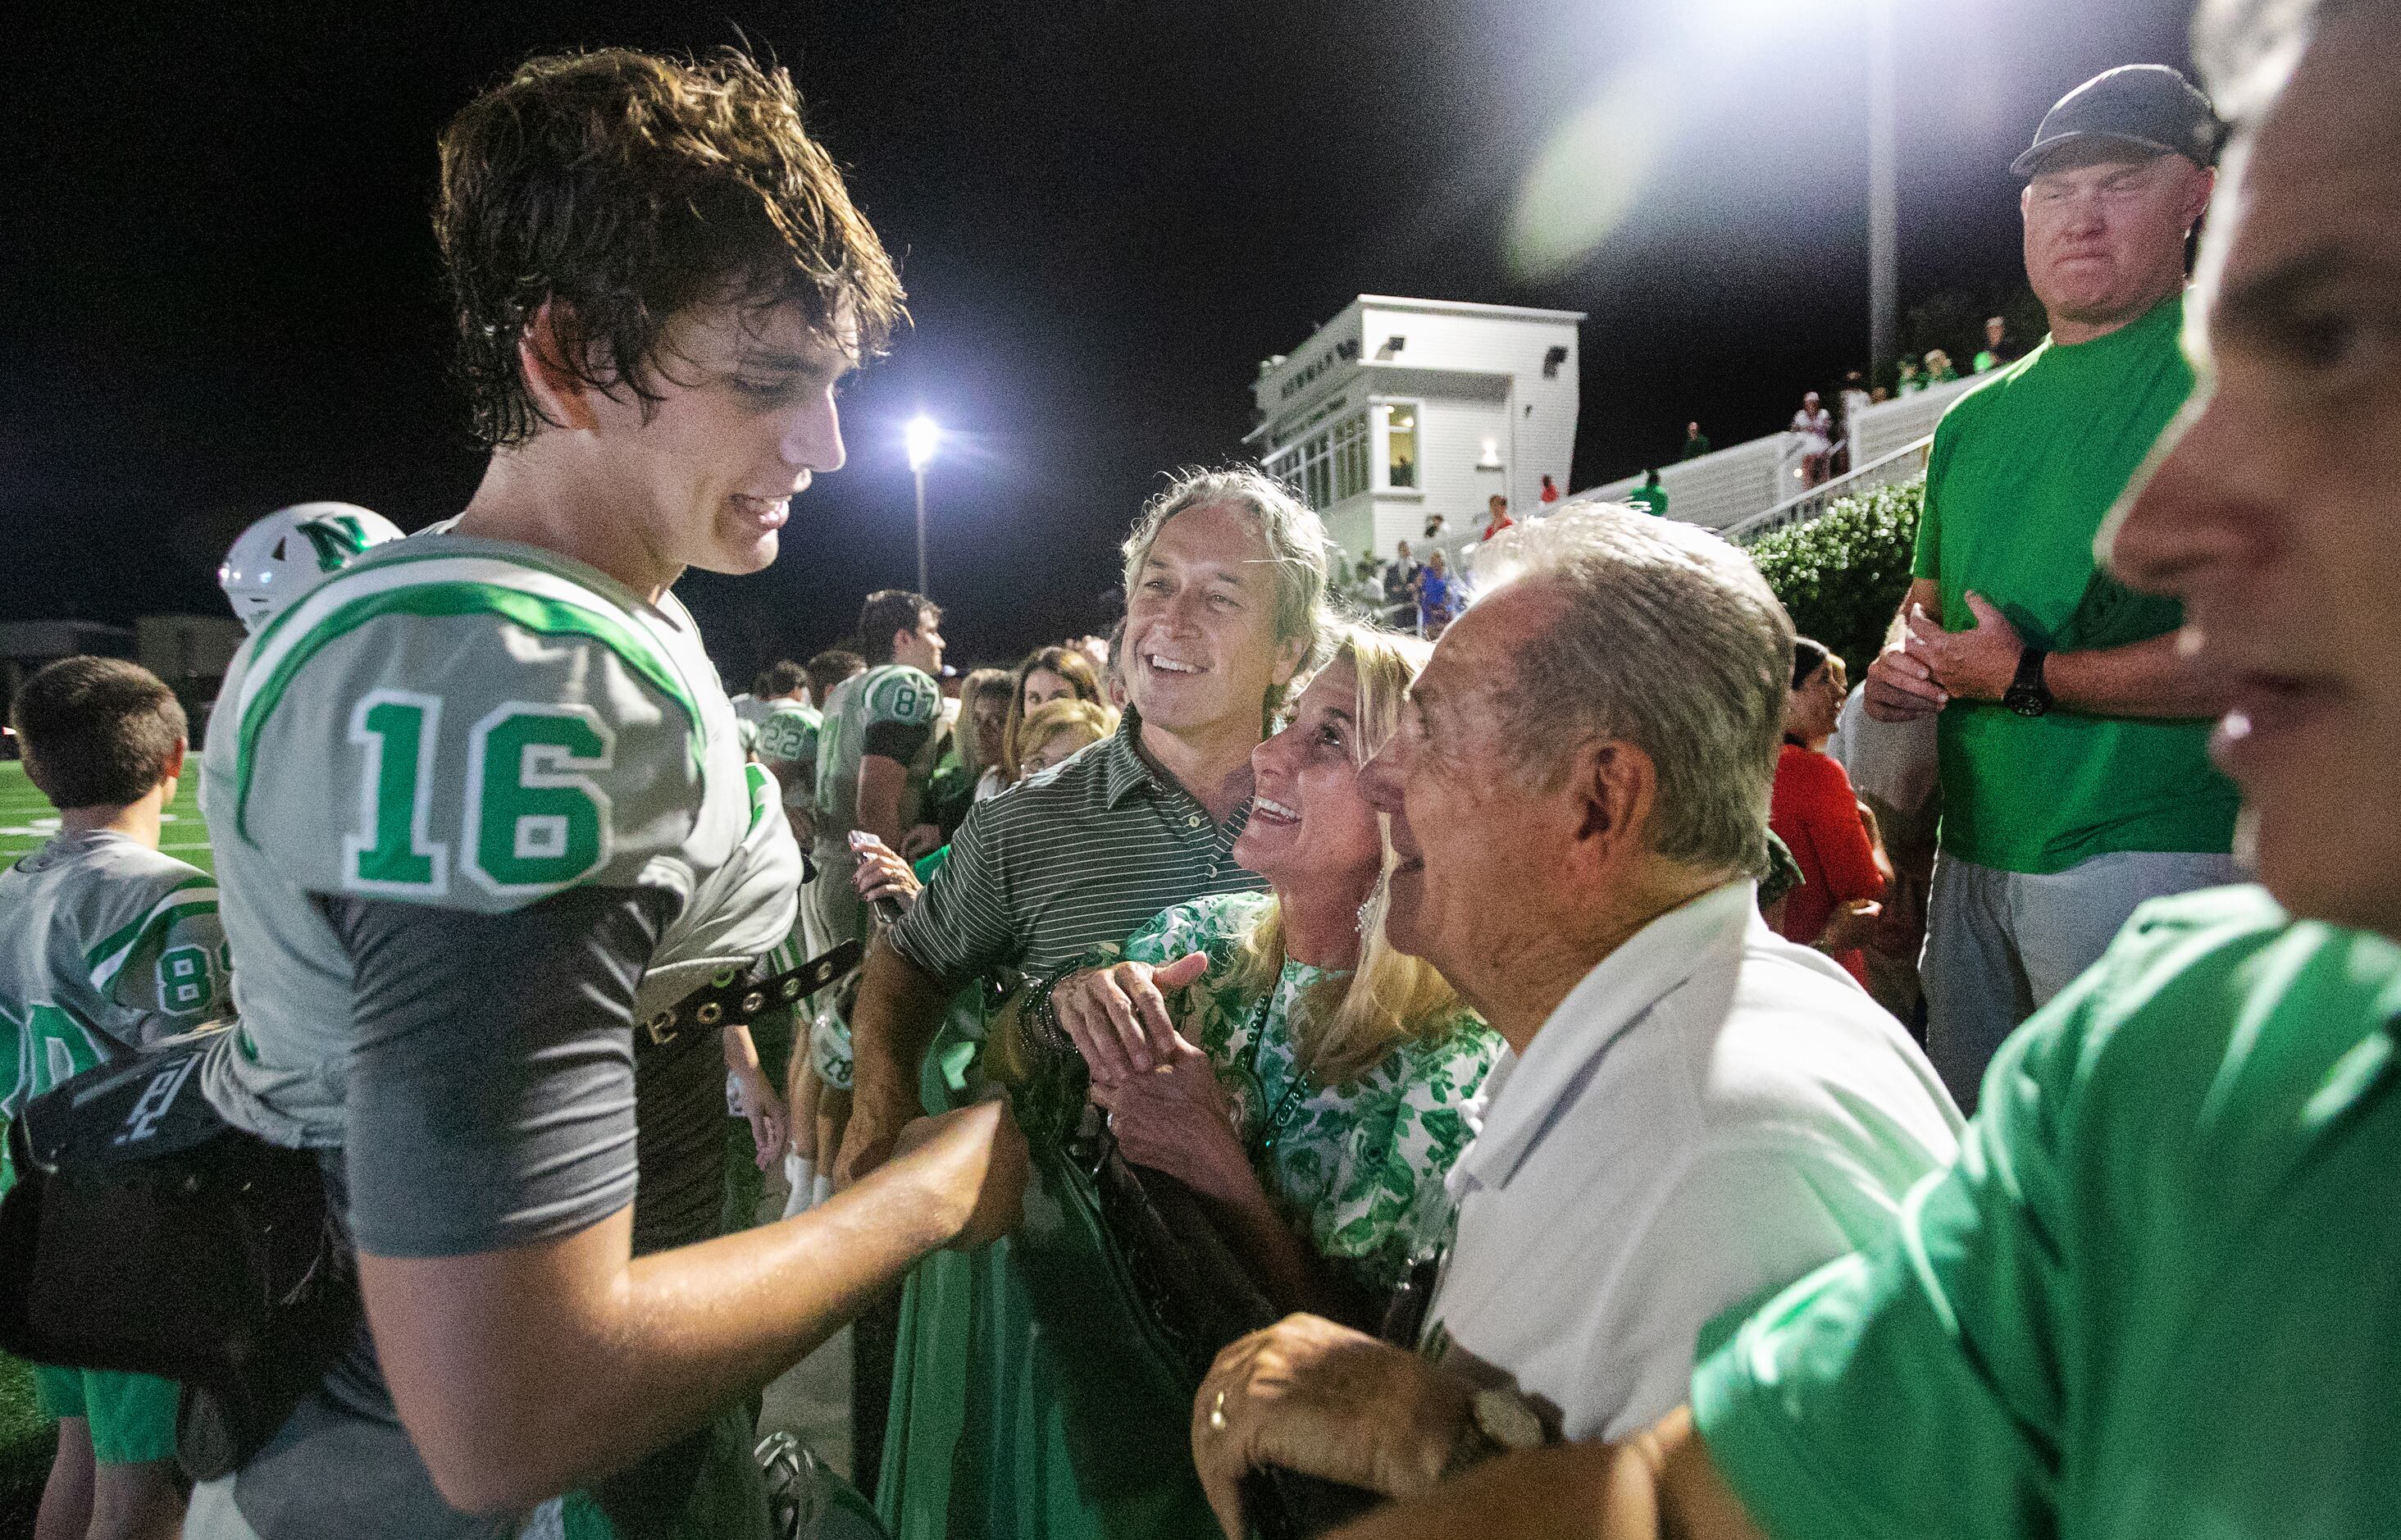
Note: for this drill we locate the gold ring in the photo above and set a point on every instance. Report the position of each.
(1217, 1414)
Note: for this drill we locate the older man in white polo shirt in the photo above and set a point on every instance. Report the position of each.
(1692, 1111)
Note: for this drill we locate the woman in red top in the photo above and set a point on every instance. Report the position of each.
(1815, 813)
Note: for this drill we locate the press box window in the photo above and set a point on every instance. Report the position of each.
(1400, 443)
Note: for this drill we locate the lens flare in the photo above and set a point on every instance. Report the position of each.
(1581, 186)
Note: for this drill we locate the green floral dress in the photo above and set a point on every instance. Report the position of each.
(1358, 1167)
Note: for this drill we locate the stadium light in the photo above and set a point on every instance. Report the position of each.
(923, 436)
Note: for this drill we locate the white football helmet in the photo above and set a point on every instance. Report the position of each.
(291, 551)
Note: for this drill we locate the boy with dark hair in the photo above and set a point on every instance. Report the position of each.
(828, 669)
(480, 809)
(111, 945)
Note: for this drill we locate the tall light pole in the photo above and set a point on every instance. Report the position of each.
(924, 435)
(1884, 198)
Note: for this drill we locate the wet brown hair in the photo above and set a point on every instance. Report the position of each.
(624, 188)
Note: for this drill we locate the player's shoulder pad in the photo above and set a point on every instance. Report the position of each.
(896, 691)
(788, 732)
(143, 901)
(474, 725)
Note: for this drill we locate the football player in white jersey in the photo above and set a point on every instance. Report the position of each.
(474, 793)
(110, 945)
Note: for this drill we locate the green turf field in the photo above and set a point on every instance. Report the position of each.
(26, 820)
(26, 1436)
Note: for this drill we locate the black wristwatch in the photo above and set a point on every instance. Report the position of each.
(2027, 695)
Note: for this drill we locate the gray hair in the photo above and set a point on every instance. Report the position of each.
(1296, 543)
(1671, 642)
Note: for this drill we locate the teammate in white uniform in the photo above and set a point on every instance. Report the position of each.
(110, 945)
(479, 804)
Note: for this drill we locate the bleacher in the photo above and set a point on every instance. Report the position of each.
(1746, 482)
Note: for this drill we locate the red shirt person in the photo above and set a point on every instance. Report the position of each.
(1815, 813)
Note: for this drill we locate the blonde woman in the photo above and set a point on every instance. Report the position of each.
(1054, 730)
(1272, 1051)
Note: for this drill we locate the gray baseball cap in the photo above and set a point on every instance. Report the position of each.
(2143, 106)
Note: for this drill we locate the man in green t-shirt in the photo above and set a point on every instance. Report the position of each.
(2075, 781)
(2154, 1297)
(1650, 496)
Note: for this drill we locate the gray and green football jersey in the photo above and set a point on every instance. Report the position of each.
(891, 692)
(110, 945)
(789, 732)
(471, 725)
(742, 911)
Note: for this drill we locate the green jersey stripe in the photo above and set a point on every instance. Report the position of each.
(117, 938)
(377, 575)
(165, 918)
(564, 613)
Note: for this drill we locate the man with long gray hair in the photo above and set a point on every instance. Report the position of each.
(1691, 1109)
(1226, 606)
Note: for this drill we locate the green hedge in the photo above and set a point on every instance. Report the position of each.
(1842, 574)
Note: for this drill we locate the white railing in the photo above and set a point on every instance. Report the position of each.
(1715, 490)
(1725, 490)
(1906, 463)
(1888, 425)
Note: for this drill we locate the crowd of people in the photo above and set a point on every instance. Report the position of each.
(1563, 1063)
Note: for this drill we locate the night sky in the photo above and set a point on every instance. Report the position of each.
(221, 292)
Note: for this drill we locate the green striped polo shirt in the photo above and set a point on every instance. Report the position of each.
(1076, 857)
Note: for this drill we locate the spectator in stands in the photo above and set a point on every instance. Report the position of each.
(1937, 367)
(1651, 495)
(1696, 443)
(1498, 518)
(1400, 587)
(1365, 590)
(1436, 526)
(1436, 602)
(1847, 403)
(1691, 1109)
(1046, 674)
(1550, 490)
(2154, 1295)
(1817, 814)
(1997, 350)
(1815, 426)
(1911, 381)
(2075, 780)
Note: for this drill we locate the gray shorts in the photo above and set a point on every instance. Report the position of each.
(1999, 944)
